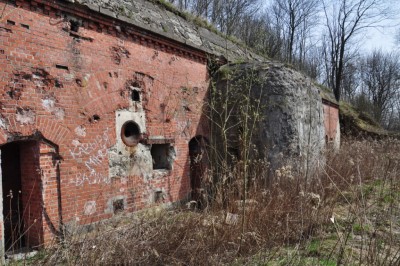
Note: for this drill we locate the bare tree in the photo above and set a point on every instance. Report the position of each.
(181, 4)
(232, 12)
(381, 80)
(296, 17)
(351, 80)
(261, 35)
(226, 15)
(201, 7)
(345, 19)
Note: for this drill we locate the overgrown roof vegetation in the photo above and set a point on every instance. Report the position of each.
(202, 23)
(326, 93)
(197, 20)
(356, 122)
(163, 18)
(353, 121)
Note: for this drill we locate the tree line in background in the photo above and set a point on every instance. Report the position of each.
(321, 39)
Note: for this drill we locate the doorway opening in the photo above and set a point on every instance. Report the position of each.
(198, 166)
(22, 200)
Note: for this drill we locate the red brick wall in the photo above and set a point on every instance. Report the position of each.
(31, 189)
(48, 162)
(331, 120)
(68, 87)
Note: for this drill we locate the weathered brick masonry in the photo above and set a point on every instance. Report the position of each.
(331, 120)
(101, 113)
(70, 79)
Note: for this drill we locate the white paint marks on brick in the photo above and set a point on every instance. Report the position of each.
(80, 131)
(90, 207)
(25, 116)
(49, 104)
(69, 77)
(3, 123)
(76, 143)
(59, 113)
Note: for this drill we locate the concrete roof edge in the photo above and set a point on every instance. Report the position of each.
(175, 27)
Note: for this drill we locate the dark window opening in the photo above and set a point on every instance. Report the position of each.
(94, 118)
(118, 206)
(130, 133)
(62, 67)
(158, 196)
(74, 25)
(135, 96)
(25, 26)
(58, 84)
(10, 22)
(161, 155)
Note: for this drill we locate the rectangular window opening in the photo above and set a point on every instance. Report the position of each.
(10, 22)
(118, 206)
(62, 67)
(25, 26)
(158, 196)
(161, 156)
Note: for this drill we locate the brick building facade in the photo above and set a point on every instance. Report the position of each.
(96, 118)
(96, 115)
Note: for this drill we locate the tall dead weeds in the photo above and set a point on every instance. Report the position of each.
(353, 202)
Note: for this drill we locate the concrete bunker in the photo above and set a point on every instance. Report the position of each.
(289, 126)
(148, 95)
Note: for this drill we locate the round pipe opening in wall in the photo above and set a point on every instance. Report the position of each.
(130, 133)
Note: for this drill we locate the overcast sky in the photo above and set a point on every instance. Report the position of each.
(382, 38)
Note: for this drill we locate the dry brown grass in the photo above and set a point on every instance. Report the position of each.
(284, 225)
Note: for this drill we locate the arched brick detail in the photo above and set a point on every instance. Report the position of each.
(3, 137)
(49, 129)
(53, 131)
(106, 104)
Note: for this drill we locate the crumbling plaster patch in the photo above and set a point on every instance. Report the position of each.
(3, 123)
(90, 207)
(80, 131)
(135, 161)
(129, 161)
(25, 116)
(49, 104)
